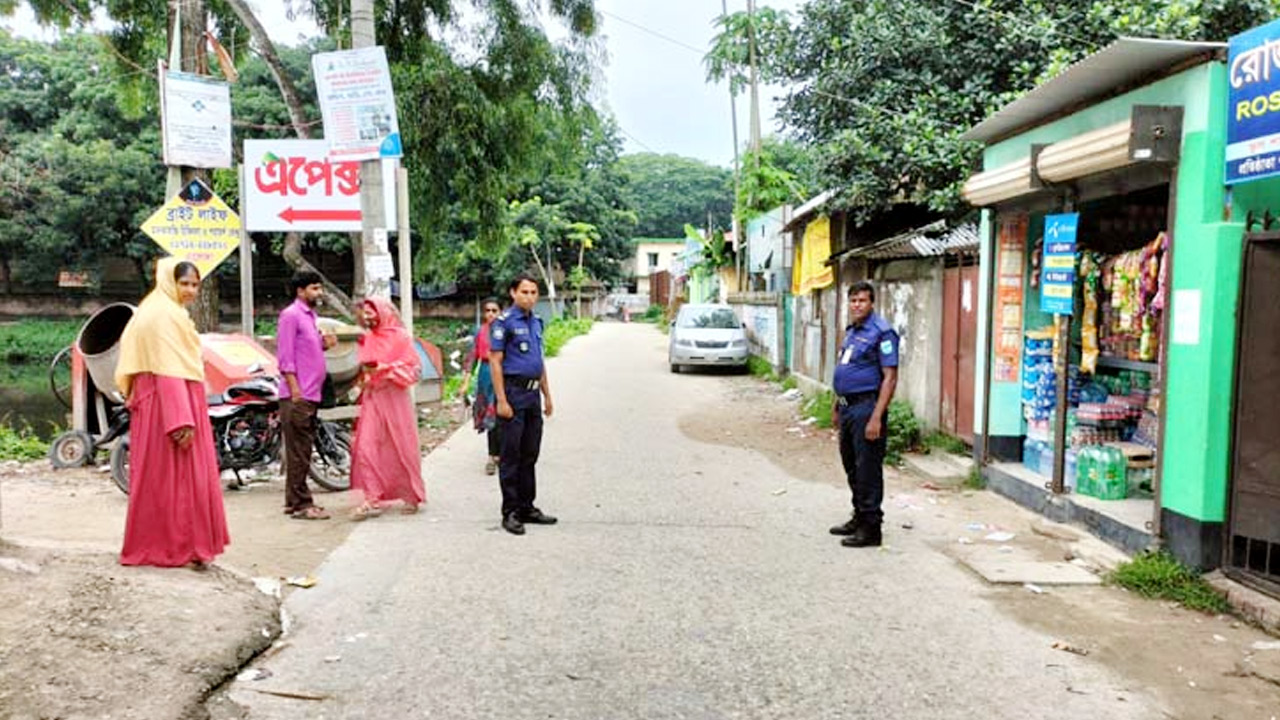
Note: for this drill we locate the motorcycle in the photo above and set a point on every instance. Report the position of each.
(247, 434)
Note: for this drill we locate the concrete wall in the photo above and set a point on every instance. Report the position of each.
(909, 296)
(762, 315)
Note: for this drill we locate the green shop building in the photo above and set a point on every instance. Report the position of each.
(1129, 319)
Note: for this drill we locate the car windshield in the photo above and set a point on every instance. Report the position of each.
(712, 318)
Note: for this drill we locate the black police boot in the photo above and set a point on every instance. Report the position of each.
(865, 535)
(512, 524)
(534, 516)
(847, 528)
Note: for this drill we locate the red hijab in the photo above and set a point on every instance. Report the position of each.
(389, 345)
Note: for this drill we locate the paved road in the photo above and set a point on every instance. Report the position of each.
(676, 586)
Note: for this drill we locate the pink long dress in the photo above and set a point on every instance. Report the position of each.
(175, 502)
(386, 462)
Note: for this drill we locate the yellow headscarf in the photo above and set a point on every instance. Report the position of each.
(160, 338)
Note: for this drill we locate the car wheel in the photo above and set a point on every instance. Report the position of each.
(675, 369)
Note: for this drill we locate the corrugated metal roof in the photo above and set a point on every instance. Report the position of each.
(809, 207)
(1120, 64)
(931, 240)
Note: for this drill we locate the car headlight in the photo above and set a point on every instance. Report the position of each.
(738, 343)
(684, 343)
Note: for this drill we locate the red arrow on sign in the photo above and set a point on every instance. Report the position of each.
(289, 215)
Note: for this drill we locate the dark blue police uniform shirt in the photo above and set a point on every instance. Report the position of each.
(867, 349)
(519, 338)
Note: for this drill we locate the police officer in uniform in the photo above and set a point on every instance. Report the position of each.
(865, 378)
(520, 385)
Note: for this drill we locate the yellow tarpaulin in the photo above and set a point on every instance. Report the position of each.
(810, 271)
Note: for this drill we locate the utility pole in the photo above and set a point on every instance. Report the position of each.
(755, 82)
(738, 239)
(187, 53)
(371, 210)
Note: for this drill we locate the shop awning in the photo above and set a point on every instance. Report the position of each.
(1119, 65)
(932, 240)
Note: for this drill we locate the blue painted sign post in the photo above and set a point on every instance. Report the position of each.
(1058, 270)
(1253, 105)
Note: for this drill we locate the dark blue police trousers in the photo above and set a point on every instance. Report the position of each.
(521, 444)
(863, 459)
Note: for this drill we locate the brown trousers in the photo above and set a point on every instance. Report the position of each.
(298, 425)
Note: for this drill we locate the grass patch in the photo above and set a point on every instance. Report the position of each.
(654, 314)
(975, 480)
(904, 431)
(444, 333)
(20, 443)
(1158, 575)
(561, 331)
(818, 407)
(36, 341)
(760, 367)
(789, 383)
(452, 389)
(938, 440)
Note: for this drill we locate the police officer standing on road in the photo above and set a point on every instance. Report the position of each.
(520, 385)
(865, 378)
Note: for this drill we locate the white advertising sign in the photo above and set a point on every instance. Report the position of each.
(1186, 317)
(293, 185)
(357, 103)
(195, 120)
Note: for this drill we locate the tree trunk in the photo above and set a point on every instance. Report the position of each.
(195, 59)
(267, 51)
(335, 298)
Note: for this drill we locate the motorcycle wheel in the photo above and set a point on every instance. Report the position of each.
(120, 464)
(331, 457)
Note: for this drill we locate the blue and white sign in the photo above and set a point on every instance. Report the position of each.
(1253, 104)
(1058, 271)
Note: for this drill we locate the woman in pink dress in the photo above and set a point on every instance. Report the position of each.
(175, 503)
(386, 463)
(484, 414)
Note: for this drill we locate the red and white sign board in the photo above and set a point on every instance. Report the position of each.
(292, 185)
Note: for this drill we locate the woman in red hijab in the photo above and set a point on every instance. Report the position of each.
(386, 464)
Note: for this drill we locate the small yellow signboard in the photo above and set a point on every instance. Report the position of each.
(196, 226)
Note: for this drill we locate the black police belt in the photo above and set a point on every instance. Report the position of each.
(523, 382)
(855, 398)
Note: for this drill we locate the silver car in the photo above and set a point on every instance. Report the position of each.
(707, 335)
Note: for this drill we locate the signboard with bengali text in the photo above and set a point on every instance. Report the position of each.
(1253, 105)
(293, 185)
(196, 226)
(1058, 271)
(357, 103)
(195, 120)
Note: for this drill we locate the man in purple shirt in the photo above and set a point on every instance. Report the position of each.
(300, 354)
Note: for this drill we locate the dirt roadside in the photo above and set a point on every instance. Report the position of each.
(83, 637)
(1204, 666)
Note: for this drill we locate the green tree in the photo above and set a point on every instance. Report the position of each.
(883, 89)
(668, 191)
(78, 166)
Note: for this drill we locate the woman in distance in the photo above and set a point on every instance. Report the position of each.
(484, 408)
(175, 514)
(386, 463)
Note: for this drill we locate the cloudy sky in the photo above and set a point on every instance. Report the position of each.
(653, 79)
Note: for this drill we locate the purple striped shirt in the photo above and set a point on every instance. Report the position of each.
(300, 350)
